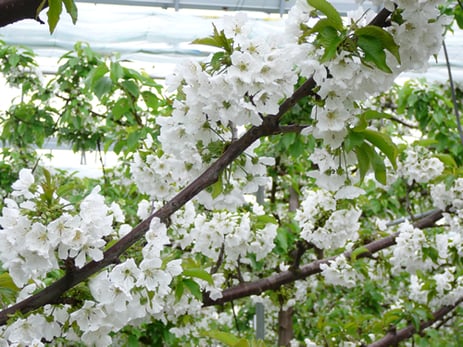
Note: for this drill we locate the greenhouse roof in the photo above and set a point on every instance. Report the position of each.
(155, 37)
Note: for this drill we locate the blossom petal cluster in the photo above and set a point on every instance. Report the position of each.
(323, 224)
(419, 166)
(408, 253)
(225, 237)
(339, 272)
(31, 247)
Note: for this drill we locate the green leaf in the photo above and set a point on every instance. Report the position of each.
(384, 143)
(71, 9)
(458, 14)
(372, 114)
(218, 39)
(217, 187)
(193, 287)
(353, 139)
(224, 337)
(96, 74)
(361, 125)
(287, 140)
(13, 59)
(281, 240)
(393, 316)
(131, 87)
(430, 252)
(425, 142)
(357, 252)
(261, 221)
(330, 40)
(381, 36)
(132, 140)
(116, 71)
(378, 167)
(7, 282)
(363, 160)
(447, 159)
(119, 145)
(179, 289)
(199, 273)
(373, 52)
(329, 11)
(151, 100)
(297, 148)
(102, 86)
(207, 41)
(121, 107)
(54, 12)
(40, 7)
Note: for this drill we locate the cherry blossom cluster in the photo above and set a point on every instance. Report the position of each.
(450, 201)
(408, 255)
(449, 198)
(31, 246)
(225, 237)
(419, 166)
(340, 272)
(446, 288)
(213, 108)
(344, 82)
(323, 224)
(214, 105)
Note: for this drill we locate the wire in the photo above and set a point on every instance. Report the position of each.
(452, 88)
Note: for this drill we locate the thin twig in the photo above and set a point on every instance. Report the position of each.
(452, 89)
(103, 168)
(395, 119)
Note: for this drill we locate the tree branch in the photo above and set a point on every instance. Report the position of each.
(15, 10)
(276, 281)
(393, 338)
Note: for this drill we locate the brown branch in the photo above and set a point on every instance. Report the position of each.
(276, 281)
(394, 337)
(15, 10)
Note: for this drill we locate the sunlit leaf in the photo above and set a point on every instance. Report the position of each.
(374, 52)
(363, 159)
(54, 12)
(199, 273)
(131, 87)
(71, 9)
(193, 287)
(329, 11)
(384, 143)
(226, 338)
(383, 37)
(102, 86)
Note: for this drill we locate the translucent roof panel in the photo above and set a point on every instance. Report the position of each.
(156, 37)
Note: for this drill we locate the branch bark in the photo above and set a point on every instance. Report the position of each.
(276, 281)
(393, 338)
(15, 10)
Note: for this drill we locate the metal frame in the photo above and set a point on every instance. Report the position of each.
(266, 6)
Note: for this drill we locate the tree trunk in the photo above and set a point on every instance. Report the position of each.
(285, 317)
(285, 327)
(15, 10)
